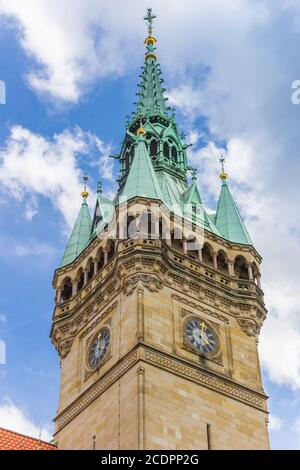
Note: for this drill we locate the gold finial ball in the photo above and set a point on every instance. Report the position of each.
(150, 55)
(223, 176)
(150, 41)
(84, 194)
(141, 131)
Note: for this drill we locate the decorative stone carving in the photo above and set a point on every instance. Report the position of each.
(249, 326)
(150, 281)
(65, 347)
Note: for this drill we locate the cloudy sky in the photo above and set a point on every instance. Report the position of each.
(229, 66)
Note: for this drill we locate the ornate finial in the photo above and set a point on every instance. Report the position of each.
(84, 193)
(150, 41)
(141, 131)
(99, 187)
(149, 20)
(223, 175)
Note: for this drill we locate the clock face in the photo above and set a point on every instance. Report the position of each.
(200, 336)
(98, 348)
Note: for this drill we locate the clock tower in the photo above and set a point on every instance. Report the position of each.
(159, 304)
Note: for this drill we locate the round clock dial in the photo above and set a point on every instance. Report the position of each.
(200, 336)
(98, 348)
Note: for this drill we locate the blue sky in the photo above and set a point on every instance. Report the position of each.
(71, 79)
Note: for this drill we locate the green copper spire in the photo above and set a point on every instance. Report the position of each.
(81, 232)
(141, 179)
(151, 100)
(228, 219)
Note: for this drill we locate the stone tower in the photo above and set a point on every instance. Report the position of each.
(159, 304)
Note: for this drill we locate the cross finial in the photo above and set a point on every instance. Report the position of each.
(85, 180)
(223, 175)
(149, 20)
(84, 193)
(222, 161)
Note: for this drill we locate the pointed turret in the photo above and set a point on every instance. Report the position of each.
(228, 219)
(141, 179)
(151, 100)
(81, 232)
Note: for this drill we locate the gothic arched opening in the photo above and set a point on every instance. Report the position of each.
(222, 262)
(66, 293)
(240, 268)
(166, 150)
(153, 148)
(207, 255)
(80, 277)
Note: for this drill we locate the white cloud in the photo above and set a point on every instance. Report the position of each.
(101, 39)
(15, 418)
(32, 165)
(73, 42)
(275, 423)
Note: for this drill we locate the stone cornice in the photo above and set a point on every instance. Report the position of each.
(180, 367)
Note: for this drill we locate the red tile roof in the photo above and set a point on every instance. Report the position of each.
(10, 440)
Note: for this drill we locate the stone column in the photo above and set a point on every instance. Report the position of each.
(230, 265)
(105, 256)
(141, 408)
(95, 266)
(259, 280)
(85, 278)
(214, 255)
(250, 271)
(58, 296)
(74, 287)
(200, 257)
(184, 245)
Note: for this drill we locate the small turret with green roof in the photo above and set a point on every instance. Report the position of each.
(81, 232)
(228, 219)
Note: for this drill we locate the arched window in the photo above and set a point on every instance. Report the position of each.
(80, 277)
(174, 153)
(240, 268)
(100, 259)
(207, 255)
(127, 159)
(111, 250)
(166, 150)
(222, 263)
(66, 293)
(90, 268)
(153, 148)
